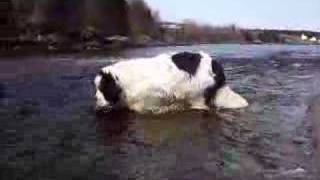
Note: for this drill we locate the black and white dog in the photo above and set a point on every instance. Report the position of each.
(164, 83)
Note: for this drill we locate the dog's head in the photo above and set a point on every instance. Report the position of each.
(108, 91)
(220, 94)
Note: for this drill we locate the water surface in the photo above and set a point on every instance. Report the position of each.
(49, 129)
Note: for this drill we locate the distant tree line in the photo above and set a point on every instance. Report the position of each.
(197, 33)
(108, 17)
(65, 21)
(90, 24)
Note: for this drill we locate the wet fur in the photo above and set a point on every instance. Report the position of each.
(160, 84)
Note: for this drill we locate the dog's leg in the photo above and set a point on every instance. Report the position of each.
(199, 104)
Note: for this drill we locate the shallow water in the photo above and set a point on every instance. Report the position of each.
(49, 129)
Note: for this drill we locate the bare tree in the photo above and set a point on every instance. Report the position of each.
(6, 10)
(143, 20)
(108, 16)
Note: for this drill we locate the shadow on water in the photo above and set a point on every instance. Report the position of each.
(186, 145)
(114, 125)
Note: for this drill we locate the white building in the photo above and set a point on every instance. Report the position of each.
(313, 39)
(304, 37)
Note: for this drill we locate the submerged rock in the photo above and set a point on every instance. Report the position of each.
(299, 172)
(299, 140)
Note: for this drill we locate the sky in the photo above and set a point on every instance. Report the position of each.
(269, 14)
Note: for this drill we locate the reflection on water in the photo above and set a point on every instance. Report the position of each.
(49, 129)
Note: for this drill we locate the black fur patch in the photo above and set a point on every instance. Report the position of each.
(220, 81)
(109, 88)
(187, 62)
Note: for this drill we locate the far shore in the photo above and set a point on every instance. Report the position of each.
(40, 49)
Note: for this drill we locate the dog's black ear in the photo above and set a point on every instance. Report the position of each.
(188, 62)
(220, 81)
(101, 72)
(110, 88)
(218, 70)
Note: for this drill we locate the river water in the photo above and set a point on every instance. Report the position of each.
(49, 129)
